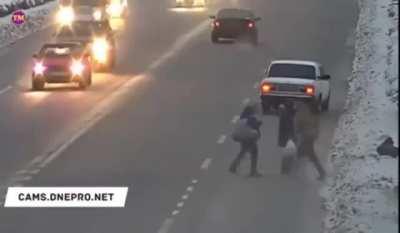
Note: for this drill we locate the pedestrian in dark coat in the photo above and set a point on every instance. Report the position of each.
(287, 113)
(307, 130)
(248, 146)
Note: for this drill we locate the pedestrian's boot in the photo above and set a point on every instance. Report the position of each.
(233, 167)
(255, 174)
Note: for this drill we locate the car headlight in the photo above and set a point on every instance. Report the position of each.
(115, 9)
(199, 2)
(39, 68)
(97, 15)
(77, 67)
(100, 49)
(65, 15)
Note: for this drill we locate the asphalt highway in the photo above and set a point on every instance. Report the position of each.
(160, 124)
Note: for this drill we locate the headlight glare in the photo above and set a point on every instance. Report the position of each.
(39, 68)
(77, 67)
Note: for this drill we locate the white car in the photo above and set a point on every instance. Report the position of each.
(293, 79)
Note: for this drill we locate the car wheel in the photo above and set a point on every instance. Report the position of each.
(325, 104)
(84, 83)
(254, 39)
(214, 38)
(266, 108)
(37, 85)
(318, 105)
(89, 78)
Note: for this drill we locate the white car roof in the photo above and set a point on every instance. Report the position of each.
(296, 62)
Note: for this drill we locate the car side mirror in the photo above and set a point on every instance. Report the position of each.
(212, 17)
(325, 77)
(257, 18)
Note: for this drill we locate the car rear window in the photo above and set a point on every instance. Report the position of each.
(292, 71)
(234, 13)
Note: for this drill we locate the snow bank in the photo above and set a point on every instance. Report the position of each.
(362, 194)
(8, 6)
(36, 19)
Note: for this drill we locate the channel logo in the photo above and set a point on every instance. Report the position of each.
(18, 17)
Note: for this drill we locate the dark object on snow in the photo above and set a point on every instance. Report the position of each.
(387, 148)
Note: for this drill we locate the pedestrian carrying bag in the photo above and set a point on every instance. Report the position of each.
(242, 132)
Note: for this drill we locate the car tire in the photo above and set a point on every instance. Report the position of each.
(266, 108)
(317, 104)
(325, 104)
(89, 78)
(37, 85)
(84, 83)
(214, 38)
(254, 39)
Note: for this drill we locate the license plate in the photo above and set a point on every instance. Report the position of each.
(58, 73)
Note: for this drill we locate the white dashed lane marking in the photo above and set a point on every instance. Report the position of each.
(185, 197)
(206, 164)
(246, 101)
(256, 85)
(175, 212)
(190, 189)
(235, 119)
(221, 139)
(166, 225)
(4, 90)
(194, 181)
(180, 204)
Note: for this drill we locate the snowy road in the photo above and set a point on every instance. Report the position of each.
(159, 124)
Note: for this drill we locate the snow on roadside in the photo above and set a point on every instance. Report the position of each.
(362, 194)
(36, 19)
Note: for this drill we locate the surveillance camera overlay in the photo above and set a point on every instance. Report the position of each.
(199, 116)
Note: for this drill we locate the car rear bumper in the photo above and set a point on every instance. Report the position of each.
(67, 78)
(232, 34)
(276, 99)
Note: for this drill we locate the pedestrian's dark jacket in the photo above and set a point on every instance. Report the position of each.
(252, 121)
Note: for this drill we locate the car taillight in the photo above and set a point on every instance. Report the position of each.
(217, 24)
(309, 90)
(266, 87)
(250, 25)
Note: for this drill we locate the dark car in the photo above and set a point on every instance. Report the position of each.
(62, 63)
(98, 35)
(234, 24)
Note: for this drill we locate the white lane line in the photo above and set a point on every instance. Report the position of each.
(235, 119)
(221, 139)
(185, 197)
(166, 225)
(246, 101)
(175, 212)
(190, 189)
(4, 90)
(206, 164)
(194, 181)
(179, 44)
(256, 85)
(33, 172)
(180, 204)
(21, 172)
